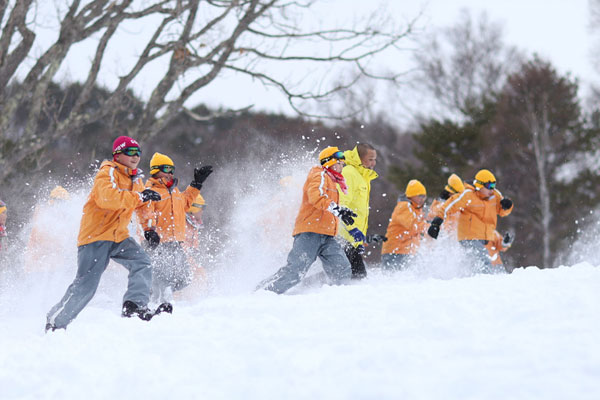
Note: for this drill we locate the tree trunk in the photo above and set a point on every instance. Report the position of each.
(540, 136)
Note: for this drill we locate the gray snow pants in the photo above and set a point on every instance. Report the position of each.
(395, 262)
(480, 257)
(92, 260)
(307, 247)
(170, 270)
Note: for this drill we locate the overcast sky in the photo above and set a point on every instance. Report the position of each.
(556, 29)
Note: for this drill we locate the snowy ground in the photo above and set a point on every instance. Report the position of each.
(434, 332)
(529, 335)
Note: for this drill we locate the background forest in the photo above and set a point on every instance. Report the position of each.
(488, 106)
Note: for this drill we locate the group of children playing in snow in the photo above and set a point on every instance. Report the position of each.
(331, 224)
(339, 189)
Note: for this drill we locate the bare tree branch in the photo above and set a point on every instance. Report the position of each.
(198, 41)
(203, 118)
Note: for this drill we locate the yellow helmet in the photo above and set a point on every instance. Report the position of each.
(197, 205)
(60, 193)
(159, 160)
(455, 184)
(482, 177)
(415, 188)
(2, 207)
(330, 156)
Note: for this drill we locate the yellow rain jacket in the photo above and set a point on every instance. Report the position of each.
(167, 216)
(110, 205)
(358, 179)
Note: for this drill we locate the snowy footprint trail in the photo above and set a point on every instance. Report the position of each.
(529, 335)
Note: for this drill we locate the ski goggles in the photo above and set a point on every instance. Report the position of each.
(130, 151)
(167, 169)
(338, 155)
(488, 185)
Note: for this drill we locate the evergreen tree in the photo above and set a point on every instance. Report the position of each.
(537, 132)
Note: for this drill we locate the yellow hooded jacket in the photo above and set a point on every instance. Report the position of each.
(358, 179)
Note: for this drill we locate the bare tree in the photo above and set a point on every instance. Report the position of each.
(466, 63)
(199, 40)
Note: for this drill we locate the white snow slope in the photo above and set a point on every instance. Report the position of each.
(429, 333)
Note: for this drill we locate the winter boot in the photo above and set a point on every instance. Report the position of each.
(50, 327)
(130, 309)
(164, 307)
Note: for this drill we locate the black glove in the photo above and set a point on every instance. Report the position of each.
(152, 238)
(200, 175)
(508, 239)
(345, 214)
(434, 228)
(148, 195)
(506, 203)
(375, 238)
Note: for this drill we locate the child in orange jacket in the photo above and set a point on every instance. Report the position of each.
(118, 191)
(454, 187)
(164, 224)
(478, 207)
(316, 227)
(406, 228)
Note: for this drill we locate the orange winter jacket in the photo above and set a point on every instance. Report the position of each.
(110, 205)
(318, 193)
(437, 210)
(494, 248)
(477, 215)
(167, 216)
(405, 230)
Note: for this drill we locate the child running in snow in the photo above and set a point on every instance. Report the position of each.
(478, 207)
(103, 235)
(406, 228)
(164, 225)
(316, 227)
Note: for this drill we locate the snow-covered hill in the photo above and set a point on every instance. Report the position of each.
(529, 335)
(433, 332)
